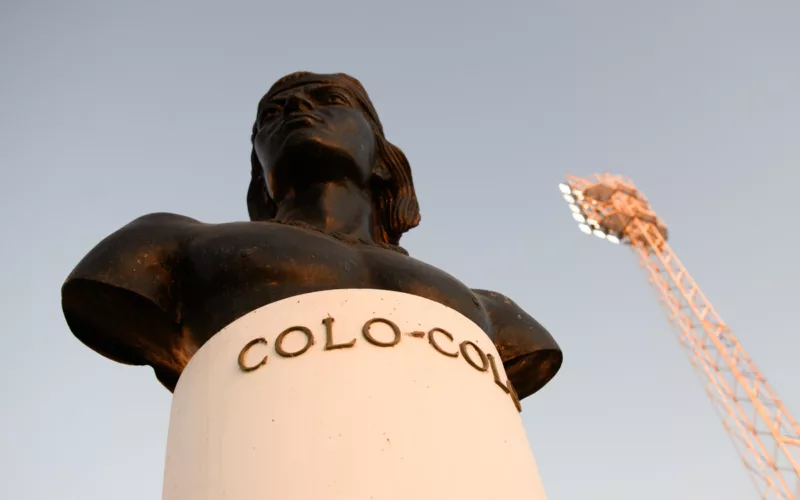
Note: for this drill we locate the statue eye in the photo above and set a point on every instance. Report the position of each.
(269, 112)
(337, 98)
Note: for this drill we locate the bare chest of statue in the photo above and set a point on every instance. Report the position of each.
(228, 270)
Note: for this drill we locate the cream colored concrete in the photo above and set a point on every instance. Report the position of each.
(364, 422)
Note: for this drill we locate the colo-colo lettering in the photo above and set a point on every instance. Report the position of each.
(441, 340)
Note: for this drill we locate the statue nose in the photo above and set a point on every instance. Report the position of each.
(298, 102)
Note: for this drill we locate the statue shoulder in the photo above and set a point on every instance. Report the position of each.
(160, 221)
(138, 253)
(121, 298)
(531, 356)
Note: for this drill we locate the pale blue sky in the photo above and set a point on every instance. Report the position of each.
(109, 110)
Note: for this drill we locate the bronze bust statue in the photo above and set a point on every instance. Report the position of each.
(329, 199)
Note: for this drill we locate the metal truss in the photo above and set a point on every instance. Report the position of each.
(763, 432)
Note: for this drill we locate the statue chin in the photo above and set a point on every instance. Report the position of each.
(307, 155)
(308, 141)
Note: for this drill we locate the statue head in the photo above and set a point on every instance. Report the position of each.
(312, 128)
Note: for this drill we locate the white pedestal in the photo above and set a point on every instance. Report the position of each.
(335, 410)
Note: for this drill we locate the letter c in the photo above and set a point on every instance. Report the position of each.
(436, 345)
(243, 353)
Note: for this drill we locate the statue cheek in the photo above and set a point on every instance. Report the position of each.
(379, 167)
(366, 157)
(261, 149)
(366, 153)
(366, 145)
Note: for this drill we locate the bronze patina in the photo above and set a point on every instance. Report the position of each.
(329, 199)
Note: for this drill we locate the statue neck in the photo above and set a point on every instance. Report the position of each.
(331, 207)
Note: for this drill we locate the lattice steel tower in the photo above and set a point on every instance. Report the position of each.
(765, 435)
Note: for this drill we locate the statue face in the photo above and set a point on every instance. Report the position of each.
(311, 134)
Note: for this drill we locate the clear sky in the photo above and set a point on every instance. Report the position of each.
(109, 110)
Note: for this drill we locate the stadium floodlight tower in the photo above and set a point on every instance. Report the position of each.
(765, 435)
(610, 207)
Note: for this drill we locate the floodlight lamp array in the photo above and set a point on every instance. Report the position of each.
(586, 224)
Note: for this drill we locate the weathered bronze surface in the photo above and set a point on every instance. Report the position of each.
(329, 199)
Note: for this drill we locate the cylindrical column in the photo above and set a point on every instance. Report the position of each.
(348, 395)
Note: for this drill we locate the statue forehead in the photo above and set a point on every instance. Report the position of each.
(297, 80)
(341, 80)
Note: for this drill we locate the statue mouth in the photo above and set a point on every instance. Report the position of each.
(299, 120)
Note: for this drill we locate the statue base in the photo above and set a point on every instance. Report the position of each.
(348, 395)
